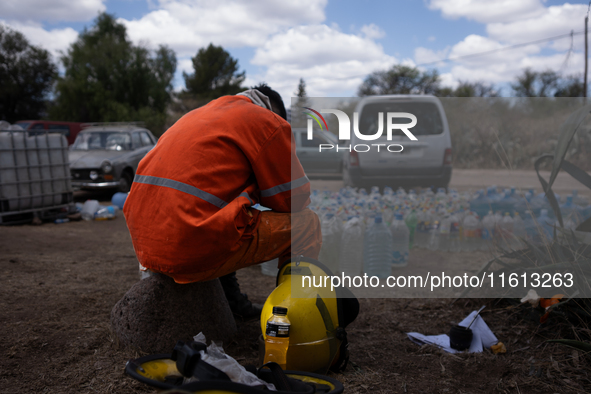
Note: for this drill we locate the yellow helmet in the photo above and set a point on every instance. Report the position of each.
(318, 316)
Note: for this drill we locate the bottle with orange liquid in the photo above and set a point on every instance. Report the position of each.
(277, 333)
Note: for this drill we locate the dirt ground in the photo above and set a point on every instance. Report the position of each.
(59, 282)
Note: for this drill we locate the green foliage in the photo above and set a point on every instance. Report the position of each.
(26, 77)
(547, 84)
(301, 90)
(215, 74)
(107, 78)
(474, 89)
(410, 80)
(400, 80)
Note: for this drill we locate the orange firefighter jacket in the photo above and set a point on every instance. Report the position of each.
(188, 208)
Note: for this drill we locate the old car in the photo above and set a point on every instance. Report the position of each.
(106, 155)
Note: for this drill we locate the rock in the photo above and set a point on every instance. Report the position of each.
(157, 312)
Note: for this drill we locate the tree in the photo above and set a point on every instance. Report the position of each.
(400, 80)
(547, 84)
(107, 78)
(301, 90)
(474, 89)
(570, 86)
(536, 84)
(215, 74)
(26, 77)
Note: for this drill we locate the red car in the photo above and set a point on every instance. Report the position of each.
(69, 129)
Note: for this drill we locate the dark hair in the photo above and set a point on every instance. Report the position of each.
(274, 97)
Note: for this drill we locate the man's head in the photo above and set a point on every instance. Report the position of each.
(276, 102)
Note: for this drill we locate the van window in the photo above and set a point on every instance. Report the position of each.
(37, 126)
(62, 127)
(428, 117)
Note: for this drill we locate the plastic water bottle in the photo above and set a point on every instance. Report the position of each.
(454, 233)
(569, 210)
(578, 200)
(440, 196)
(422, 230)
(481, 204)
(531, 227)
(434, 234)
(331, 240)
(471, 233)
(277, 337)
(411, 221)
(508, 202)
(506, 231)
(89, 209)
(351, 261)
(377, 249)
(519, 232)
(106, 213)
(444, 233)
(488, 229)
(400, 241)
(546, 224)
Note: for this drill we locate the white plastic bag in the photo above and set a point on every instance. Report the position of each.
(216, 357)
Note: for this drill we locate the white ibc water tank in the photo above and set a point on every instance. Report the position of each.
(34, 171)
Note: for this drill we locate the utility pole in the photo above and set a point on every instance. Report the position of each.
(586, 50)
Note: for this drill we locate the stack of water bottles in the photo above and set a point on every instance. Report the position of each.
(373, 232)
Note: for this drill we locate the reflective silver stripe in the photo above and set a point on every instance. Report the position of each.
(245, 194)
(182, 187)
(284, 187)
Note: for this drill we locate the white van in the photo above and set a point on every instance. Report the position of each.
(400, 161)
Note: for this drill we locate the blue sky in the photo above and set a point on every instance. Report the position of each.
(331, 44)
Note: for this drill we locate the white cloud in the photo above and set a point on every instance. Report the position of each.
(50, 10)
(554, 21)
(479, 46)
(54, 40)
(330, 61)
(534, 22)
(425, 55)
(187, 25)
(372, 31)
(448, 80)
(488, 11)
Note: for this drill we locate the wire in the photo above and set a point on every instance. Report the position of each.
(449, 59)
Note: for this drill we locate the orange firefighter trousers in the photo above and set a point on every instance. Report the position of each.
(279, 235)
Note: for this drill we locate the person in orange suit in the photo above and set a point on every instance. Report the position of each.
(190, 209)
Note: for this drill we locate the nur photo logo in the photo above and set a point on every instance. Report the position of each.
(344, 132)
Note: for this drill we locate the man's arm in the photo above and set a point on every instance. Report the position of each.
(279, 173)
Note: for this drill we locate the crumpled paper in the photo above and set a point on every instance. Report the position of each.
(216, 356)
(482, 336)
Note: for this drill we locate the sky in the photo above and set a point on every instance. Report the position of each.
(332, 44)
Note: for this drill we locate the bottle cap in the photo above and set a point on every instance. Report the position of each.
(279, 310)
